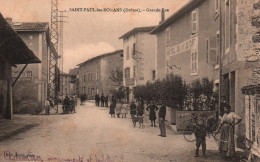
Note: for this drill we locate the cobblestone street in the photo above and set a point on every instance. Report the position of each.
(91, 132)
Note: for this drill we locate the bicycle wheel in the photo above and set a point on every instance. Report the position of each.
(189, 133)
(183, 125)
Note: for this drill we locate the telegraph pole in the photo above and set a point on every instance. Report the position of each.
(61, 21)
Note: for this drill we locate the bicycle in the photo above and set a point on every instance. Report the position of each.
(190, 126)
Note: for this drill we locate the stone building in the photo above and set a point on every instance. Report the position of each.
(13, 52)
(31, 90)
(94, 74)
(240, 49)
(139, 58)
(187, 42)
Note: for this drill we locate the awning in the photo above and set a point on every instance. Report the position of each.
(12, 46)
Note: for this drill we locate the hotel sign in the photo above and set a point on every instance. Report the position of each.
(25, 76)
(191, 44)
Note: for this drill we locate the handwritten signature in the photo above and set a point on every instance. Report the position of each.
(29, 156)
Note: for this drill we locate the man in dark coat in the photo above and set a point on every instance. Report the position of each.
(106, 101)
(161, 115)
(102, 100)
(152, 116)
(98, 100)
(133, 109)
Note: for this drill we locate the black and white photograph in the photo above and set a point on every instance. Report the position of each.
(130, 81)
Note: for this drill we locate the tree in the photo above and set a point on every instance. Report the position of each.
(116, 75)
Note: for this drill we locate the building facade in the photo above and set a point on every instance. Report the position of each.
(188, 46)
(13, 52)
(67, 85)
(31, 90)
(139, 58)
(94, 74)
(75, 80)
(240, 56)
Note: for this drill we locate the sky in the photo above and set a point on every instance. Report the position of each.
(89, 34)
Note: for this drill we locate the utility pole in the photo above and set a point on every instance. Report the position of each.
(54, 40)
(60, 62)
(53, 70)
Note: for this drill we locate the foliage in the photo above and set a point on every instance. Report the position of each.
(174, 92)
(116, 75)
(119, 92)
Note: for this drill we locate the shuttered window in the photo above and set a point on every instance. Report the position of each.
(194, 18)
(127, 52)
(194, 61)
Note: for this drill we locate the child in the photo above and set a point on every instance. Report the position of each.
(200, 134)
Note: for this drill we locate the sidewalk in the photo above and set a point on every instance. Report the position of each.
(19, 124)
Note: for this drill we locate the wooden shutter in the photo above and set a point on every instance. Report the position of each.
(212, 49)
(194, 19)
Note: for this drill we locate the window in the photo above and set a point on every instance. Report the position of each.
(88, 77)
(134, 50)
(216, 5)
(84, 78)
(194, 18)
(167, 40)
(92, 90)
(97, 76)
(84, 89)
(134, 71)
(194, 61)
(227, 26)
(92, 77)
(153, 74)
(127, 73)
(212, 49)
(127, 52)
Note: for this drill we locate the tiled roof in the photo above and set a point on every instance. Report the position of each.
(106, 54)
(13, 47)
(137, 29)
(30, 26)
(181, 12)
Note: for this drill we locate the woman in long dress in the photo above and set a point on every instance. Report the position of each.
(118, 109)
(152, 115)
(227, 131)
(112, 109)
(124, 110)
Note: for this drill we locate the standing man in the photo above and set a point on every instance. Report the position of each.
(106, 101)
(98, 99)
(133, 109)
(102, 100)
(161, 115)
(47, 106)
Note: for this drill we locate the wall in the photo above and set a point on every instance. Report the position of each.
(181, 31)
(30, 92)
(146, 43)
(106, 68)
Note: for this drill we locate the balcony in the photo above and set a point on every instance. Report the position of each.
(129, 81)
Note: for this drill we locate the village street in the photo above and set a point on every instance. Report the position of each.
(91, 132)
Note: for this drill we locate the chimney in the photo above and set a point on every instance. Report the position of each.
(9, 20)
(162, 16)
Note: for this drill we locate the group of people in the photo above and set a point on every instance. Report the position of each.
(101, 99)
(226, 128)
(137, 113)
(49, 103)
(69, 104)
